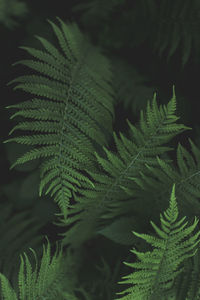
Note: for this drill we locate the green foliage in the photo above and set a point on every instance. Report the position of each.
(69, 130)
(44, 282)
(159, 268)
(177, 27)
(68, 116)
(157, 180)
(168, 26)
(105, 201)
(17, 234)
(119, 230)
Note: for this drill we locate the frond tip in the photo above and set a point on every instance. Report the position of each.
(160, 267)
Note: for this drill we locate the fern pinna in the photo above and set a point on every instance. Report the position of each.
(159, 268)
(72, 112)
(107, 199)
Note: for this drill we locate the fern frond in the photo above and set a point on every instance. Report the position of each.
(105, 201)
(177, 24)
(6, 289)
(159, 268)
(72, 113)
(156, 129)
(17, 233)
(46, 281)
(187, 284)
(157, 180)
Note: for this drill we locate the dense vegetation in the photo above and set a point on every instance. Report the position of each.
(100, 150)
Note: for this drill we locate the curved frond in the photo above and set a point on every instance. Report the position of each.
(72, 112)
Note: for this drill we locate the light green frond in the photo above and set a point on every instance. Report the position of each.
(142, 148)
(6, 289)
(159, 268)
(37, 283)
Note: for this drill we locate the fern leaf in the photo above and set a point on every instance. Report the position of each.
(159, 268)
(17, 233)
(72, 111)
(105, 200)
(177, 25)
(186, 178)
(142, 147)
(186, 285)
(46, 280)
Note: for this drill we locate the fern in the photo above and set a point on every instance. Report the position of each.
(157, 180)
(105, 200)
(17, 233)
(186, 285)
(159, 268)
(177, 25)
(69, 122)
(72, 112)
(45, 282)
(166, 25)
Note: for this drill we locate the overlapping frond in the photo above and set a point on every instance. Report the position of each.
(156, 129)
(159, 268)
(157, 180)
(187, 284)
(72, 111)
(144, 143)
